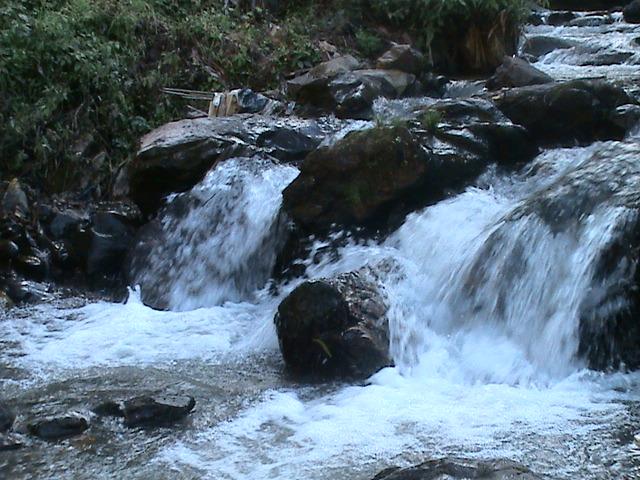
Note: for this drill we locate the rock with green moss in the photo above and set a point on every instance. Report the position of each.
(354, 180)
(373, 177)
(335, 327)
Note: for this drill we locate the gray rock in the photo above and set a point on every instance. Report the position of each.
(335, 327)
(176, 156)
(10, 442)
(516, 72)
(54, 428)
(157, 410)
(579, 111)
(539, 46)
(451, 468)
(402, 57)
(315, 80)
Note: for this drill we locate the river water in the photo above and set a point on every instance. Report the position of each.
(484, 332)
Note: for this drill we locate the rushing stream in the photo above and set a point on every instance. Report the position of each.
(484, 316)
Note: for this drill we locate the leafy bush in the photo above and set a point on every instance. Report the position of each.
(80, 77)
(429, 18)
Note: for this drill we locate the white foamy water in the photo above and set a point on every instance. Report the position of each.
(219, 241)
(484, 318)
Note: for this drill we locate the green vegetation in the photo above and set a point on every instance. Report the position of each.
(80, 77)
(81, 80)
(430, 120)
(427, 19)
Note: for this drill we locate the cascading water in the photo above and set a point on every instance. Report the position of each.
(486, 316)
(219, 241)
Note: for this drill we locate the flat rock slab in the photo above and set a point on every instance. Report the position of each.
(460, 469)
(54, 428)
(157, 410)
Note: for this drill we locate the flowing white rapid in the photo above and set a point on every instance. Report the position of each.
(484, 318)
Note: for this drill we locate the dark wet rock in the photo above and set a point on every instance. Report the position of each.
(560, 18)
(516, 72)
(451, 468)
(8, 251)
(64, 222)
(157, 410)
(35, 266)
(109, 408)
(335, 327)
(10, 442)
(372, 175)
(402, 57)
(632, 12)
(350, 181)
(578, 111)
(111, 238)
(539, 46)
(58, 427)
(7, 417)
(351, 94)
(176, 156)
(627, 116)
(312, 87)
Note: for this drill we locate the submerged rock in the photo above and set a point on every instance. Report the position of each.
(10, 442)
(335, 327)
(7, 417)
(54, 428)
(451, 468)
(176, 156)
(516, 72)
(579, 111)
(157, 410)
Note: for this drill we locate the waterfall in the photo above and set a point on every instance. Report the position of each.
(218, 242)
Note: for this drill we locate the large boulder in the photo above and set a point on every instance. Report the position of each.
(176, 156)
(352, 180)
(451, 468)
(373, 175)
(516, 72)
(632, 12)
(313, 84)
(579, 111)
(335, 327)
(402, 57)
(352, 94)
